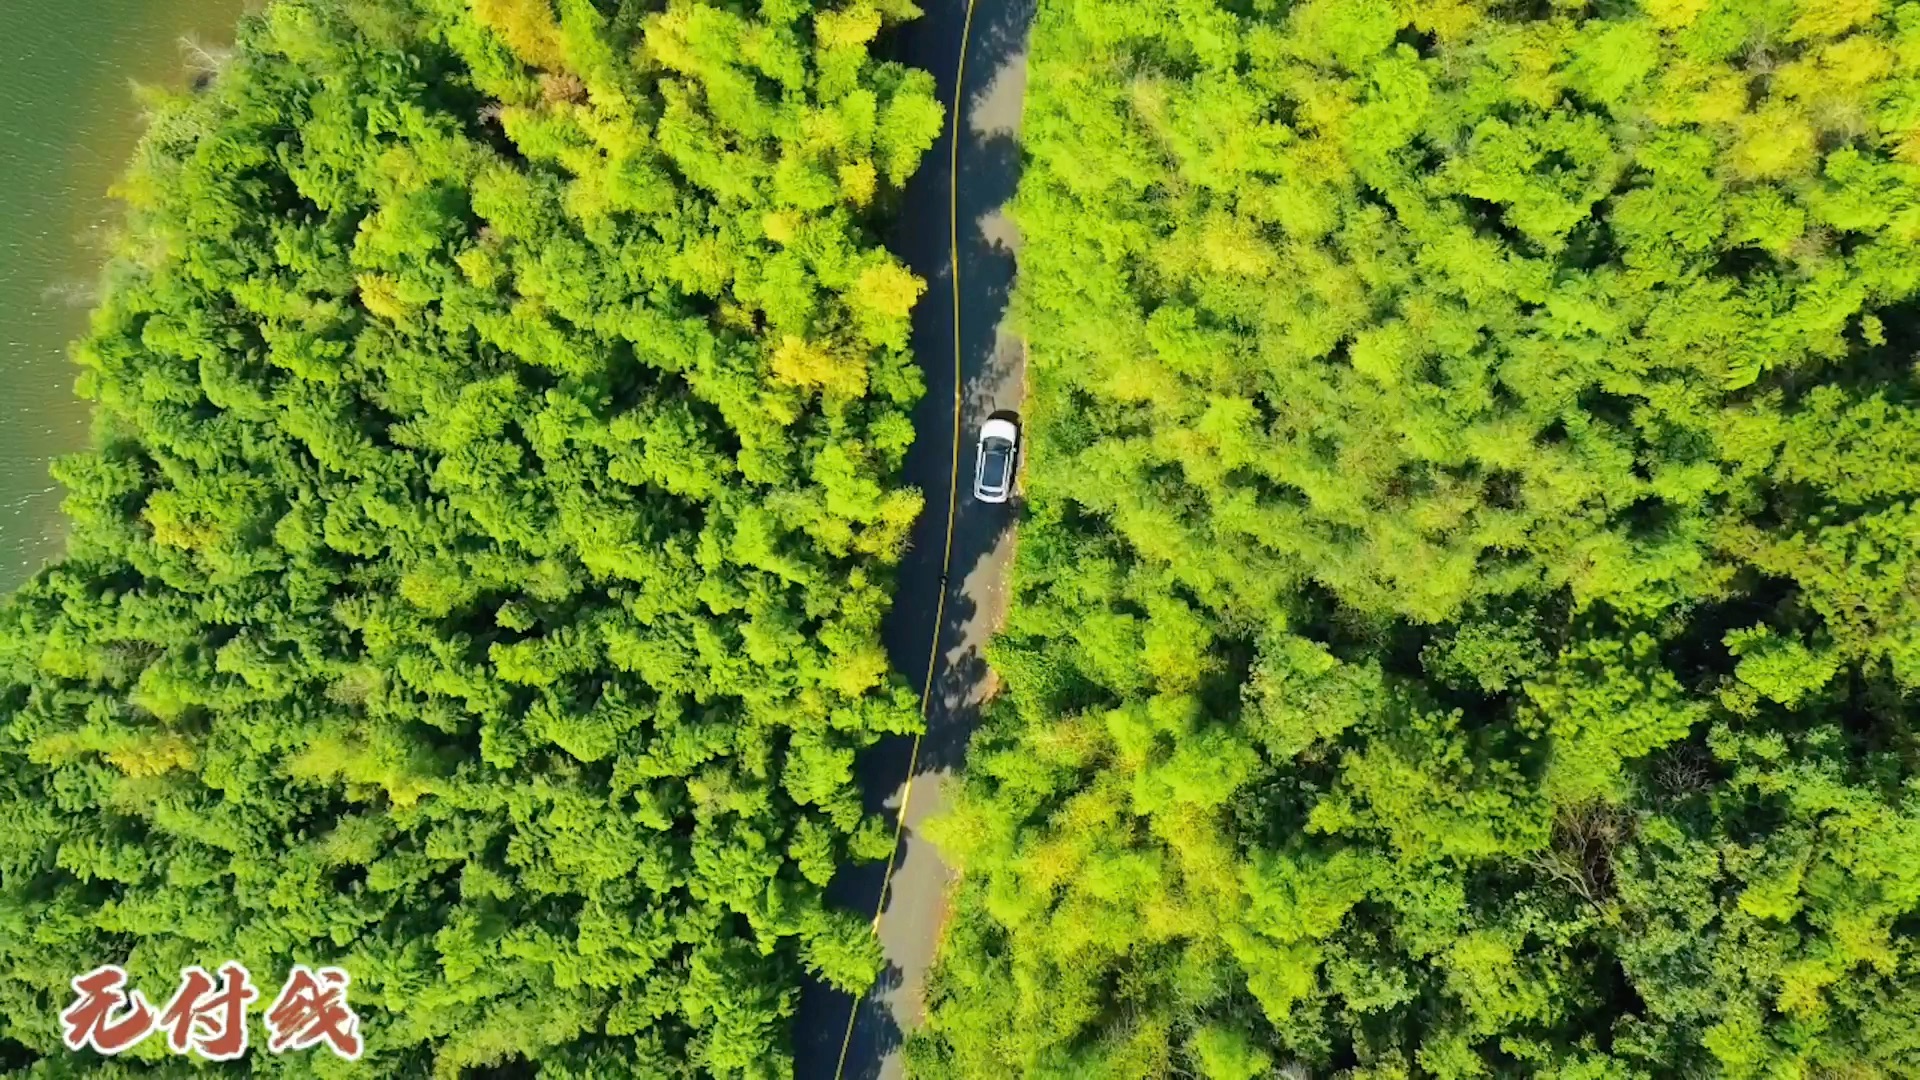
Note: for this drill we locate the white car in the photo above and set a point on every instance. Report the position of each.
(993, 469)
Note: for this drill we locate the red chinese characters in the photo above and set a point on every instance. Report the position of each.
(105, 1016)
(208, 1016)
(312, 1007)
(208, 1022)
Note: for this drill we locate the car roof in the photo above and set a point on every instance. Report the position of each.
(999, 429)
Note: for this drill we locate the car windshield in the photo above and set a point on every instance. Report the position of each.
(993, 471)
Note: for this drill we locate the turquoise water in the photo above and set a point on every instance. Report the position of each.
(68, 121)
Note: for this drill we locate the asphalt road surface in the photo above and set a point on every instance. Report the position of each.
(951, 591)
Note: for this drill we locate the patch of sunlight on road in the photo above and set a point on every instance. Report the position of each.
(995, 111)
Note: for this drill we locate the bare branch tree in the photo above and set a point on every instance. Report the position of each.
(1580, 855)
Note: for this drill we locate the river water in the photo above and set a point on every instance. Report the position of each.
(68, 122)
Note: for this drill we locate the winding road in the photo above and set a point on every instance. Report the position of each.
(951, 593)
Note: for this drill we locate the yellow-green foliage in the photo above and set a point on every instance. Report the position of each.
(471, 586)
(1465, 617)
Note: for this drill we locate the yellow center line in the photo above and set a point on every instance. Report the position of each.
(953, 501)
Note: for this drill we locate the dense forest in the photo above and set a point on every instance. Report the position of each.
(1465, 615)
(475, 580)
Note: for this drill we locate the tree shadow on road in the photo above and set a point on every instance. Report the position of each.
(990, 378)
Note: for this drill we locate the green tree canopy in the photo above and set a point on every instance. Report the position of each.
(1465, 618)
(476, 579)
